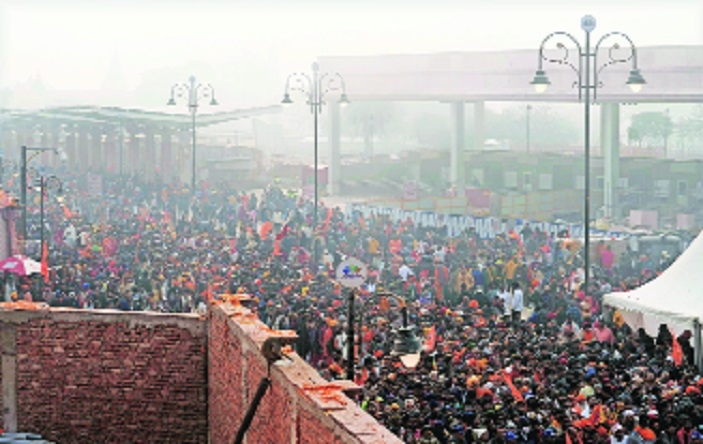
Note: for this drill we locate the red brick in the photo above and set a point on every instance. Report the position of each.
(79, 381)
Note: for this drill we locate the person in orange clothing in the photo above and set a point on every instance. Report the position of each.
(373, 246)
(510, 268)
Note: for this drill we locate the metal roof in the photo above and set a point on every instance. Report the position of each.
(95, 115)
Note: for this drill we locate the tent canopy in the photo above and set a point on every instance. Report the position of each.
(675, 298)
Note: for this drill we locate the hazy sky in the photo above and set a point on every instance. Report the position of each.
(71, 43)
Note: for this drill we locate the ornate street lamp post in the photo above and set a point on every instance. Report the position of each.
(587, 72)
(194, 93)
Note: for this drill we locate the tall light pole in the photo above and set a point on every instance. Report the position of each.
(315, 88)
(194, 92)
(24, 161)
(528, 108)
(587, 72)
(44, 183)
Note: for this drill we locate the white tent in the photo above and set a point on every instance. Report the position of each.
(674, 298)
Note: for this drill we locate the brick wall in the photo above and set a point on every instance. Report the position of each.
(104, 376)
(113, 377)
(294, 410)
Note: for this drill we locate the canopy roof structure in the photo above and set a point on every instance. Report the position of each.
(674, 298)
(96, 116)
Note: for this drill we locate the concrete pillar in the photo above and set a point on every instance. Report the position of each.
(71, 148)
(83, 157)
(55, 141)
(368, 137)
(132, 160)
(479, 126)
(456, 151)
(610, 147)
(149, 154)
(166, 158)
(96, 150)
(45, 157)
(334, 178)
(110, 154)
(184, 160)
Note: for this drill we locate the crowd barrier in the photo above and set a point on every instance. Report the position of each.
(485, 227)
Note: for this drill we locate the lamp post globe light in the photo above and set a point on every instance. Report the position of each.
(587, 71)
(193, 92)
(315, 88)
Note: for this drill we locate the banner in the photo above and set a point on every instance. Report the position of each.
(485, 227)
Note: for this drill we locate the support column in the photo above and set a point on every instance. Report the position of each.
(83, 157)
(132, 165)
(610, 147)
(166, 155)
(334, 173)
(96, 150)
(479, 126)
(55, 136)
(368, 137)
(110, 154)
(149, 154)
(184, 147)
(44, 142)
(456, 151)
(71, 151)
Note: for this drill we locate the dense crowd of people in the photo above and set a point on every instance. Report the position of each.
(514, 349)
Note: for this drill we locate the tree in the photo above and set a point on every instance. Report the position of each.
(358, 117)
(547, 128)
(432, 131)
(652, 127)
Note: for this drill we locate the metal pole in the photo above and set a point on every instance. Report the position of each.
(527, 129)
(249, 417)
(317, 108)
(23, 191)
(42, 187)
(587, 164)
(192, 174)
(350, 338)
(193, 105)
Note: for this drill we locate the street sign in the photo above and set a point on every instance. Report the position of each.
(352, 273)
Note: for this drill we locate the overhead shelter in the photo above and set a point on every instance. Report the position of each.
(675, 298)
(111, 138)
(113, 115)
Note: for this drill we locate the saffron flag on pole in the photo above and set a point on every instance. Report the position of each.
(45, 262)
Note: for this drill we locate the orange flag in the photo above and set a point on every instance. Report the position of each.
(513, 390)
(265, 229)
(66, 212)
(328, 219)
(45, 262)
(676, 351)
